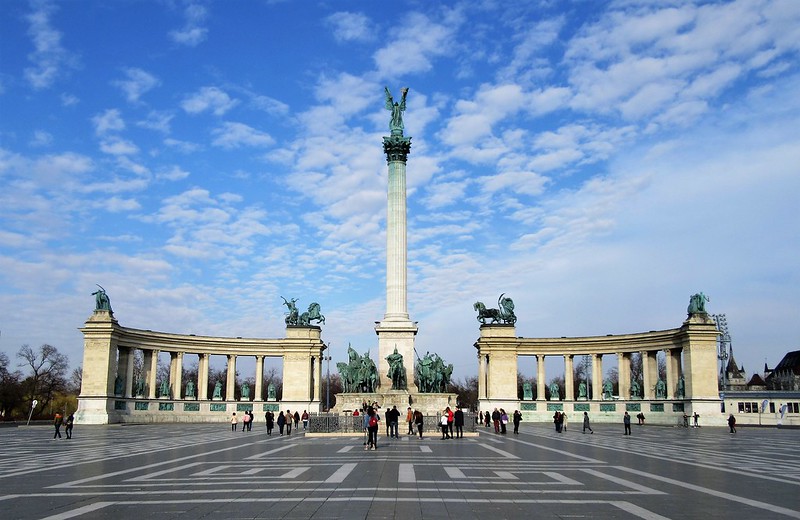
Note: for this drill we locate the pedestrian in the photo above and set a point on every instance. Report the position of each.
(234, 422)
(245, 420)
(296, 420)
(393, 418)
(458, 422)
(496, 420)
(486, 419)
(685, 420)
(372, 429)
(640, 417)
(557, 421)
(68, 429)
(451, 417)
(57, 421)
(419, 420)
(696, 418)
(626, 420)
(289, 422)
(270, 417)
(281, 423)
(304, 418)
(250, 422)
(564, 422)
(732, 423)
(410, 421)
(586, 423)
(443, 425)
(503, 421)
(517, 419)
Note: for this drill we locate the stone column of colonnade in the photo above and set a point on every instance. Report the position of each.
(624, 371)
(202, 377)
(540, 377)
(673, 359)
(259, 378)
(125, 370)
(175, 374)
(569, 386)
(597, 377)
(230, 384)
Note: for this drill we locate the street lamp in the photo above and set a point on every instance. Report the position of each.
(328, 378)
(724, 341)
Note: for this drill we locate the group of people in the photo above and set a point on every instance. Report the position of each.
(499, 418)
(68, 423)
(284, 421)
(450, 420)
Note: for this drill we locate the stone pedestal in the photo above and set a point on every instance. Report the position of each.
(398, 335)
(428, 404)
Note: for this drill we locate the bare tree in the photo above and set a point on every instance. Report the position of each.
(75, 381)
(48, 369)
(10, 389)
(467, 391)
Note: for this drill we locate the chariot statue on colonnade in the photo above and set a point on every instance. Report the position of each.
(293, 316)
(504, 314)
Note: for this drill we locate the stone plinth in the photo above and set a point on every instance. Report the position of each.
(428, 404)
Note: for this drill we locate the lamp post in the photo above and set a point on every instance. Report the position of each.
(328, 378)
(724, 341)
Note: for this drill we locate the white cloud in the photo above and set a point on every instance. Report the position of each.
(137, 83)
(209, 98)
(108, 121)
(236, 135)
(193, 32)
(182, 146)
(349, 26)
(157, 120)
(118, 146)
(414, 44)
(41, 138)
(48, 57)
(176, 173)
(118, 205)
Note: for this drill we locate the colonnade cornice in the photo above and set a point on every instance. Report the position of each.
(212, 345)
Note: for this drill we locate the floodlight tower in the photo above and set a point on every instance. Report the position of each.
(723, 342)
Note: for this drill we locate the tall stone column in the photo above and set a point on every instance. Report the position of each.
(481, 376)
(624, 371)
(673, 372)
(230, 387)
(540, 377)
(569, 373)
(597, 377)
(259, 393)
(95, 403)
(396, 330)
(152, 375)
(650, 373)
(176, 374)
(202, 377)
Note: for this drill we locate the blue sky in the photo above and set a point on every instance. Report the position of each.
(598, 162)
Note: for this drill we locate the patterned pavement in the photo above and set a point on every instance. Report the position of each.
(206, 471)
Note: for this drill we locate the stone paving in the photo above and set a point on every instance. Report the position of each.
(206, 471)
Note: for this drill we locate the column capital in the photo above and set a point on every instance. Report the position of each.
(396, 148)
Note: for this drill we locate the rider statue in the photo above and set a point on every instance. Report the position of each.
(397, 372)
(291, 316)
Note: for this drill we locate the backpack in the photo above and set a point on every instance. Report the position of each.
(373, 421)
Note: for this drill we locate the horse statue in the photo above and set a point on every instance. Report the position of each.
(484, 313)
(312, 314)
(346, 375)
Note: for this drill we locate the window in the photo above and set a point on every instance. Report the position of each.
(741, 407)
(771, 407)
(748, 408)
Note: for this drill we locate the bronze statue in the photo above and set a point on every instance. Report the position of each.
(397, 372)
(397, 109)
(101, 300)
(697, 304)
(555, 392)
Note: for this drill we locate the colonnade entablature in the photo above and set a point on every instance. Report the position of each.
(689, 354)
(109, 392)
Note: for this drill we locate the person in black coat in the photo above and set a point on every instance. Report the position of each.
(458, 422)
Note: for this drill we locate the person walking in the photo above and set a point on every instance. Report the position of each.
(626, 420)
(696, 418)
(245, 420)
(503, 421)
(58, 420)
(250, 422)
(270, 417)
(289, 419)
(393, 418)
(443, 425)
(419, 420)
(234, 422)
(304, 418)
(68, 428)
(296, 420)
(517, 419)
(281, 423)
(451, 417)
(458, 422)
(496, 420)
(486, 419)
(410, 421)
(374, 422)
(586, 423)
(564, 421)
(732, 423)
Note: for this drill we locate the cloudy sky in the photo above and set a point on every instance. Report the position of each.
(598, 162)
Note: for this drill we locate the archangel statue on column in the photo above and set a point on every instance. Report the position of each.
(396, 124)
